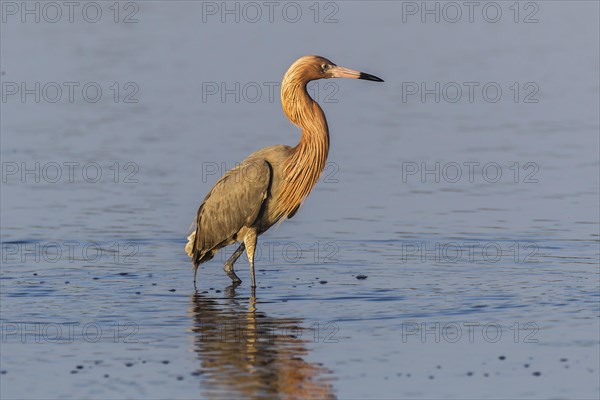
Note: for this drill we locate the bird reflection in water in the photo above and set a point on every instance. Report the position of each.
(244, 353)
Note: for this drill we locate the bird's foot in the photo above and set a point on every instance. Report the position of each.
(231, 274)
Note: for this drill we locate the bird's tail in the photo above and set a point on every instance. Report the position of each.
(198, 255)
(189, 247)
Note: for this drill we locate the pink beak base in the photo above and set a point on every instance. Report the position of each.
(341, 72)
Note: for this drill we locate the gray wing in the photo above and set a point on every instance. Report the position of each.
(235, 201)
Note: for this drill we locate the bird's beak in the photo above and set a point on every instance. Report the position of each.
(341, 72)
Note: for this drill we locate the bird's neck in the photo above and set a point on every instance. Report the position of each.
(306, 113)
(307, 159)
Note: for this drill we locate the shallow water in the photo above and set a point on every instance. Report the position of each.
(477, 284)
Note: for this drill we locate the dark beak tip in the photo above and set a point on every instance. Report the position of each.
(369, 77)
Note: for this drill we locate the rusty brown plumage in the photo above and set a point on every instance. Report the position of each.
(307, 160)
(272, 183)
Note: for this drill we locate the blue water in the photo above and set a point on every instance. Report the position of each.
(414, 270)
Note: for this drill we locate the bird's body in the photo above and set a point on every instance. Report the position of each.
(270, 184)
(241, 201)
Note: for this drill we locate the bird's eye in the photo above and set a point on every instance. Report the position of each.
(324, 67)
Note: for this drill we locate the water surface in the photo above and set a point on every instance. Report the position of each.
(476, 287)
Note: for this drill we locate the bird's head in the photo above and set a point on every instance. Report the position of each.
(310, 68)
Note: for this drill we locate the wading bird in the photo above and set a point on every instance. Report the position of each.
(271, 184)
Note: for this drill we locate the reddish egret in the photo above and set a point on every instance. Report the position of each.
(271, 184)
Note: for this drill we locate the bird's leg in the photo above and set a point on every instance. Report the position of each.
(250, 241)
(228, 267)
(195, 272)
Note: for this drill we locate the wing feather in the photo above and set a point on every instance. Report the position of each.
(234, 202)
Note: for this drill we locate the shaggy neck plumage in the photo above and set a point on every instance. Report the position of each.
(307, 161)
